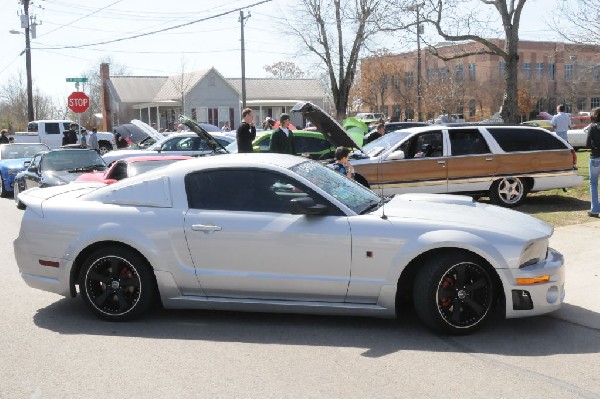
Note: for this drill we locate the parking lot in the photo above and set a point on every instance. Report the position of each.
(54, 348)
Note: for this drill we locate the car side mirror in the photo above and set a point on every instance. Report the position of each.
(306, 206)
(396, 155)
(26, 164)
(256, 148)
(32, 169)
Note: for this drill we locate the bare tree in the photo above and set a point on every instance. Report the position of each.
(577, 21)
(284, 70)
(336, 31)
(93, 87)
(444, 17)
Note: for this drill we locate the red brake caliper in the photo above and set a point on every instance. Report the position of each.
(447, 301)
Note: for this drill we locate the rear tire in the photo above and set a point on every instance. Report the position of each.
(508, 192)
(3, 191)
(104, 148)
(453, 293)
(117, 284)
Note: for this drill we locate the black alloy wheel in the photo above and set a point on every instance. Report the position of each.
(454, 293)
(117, 284)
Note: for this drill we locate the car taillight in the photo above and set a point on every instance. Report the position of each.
(574, 158)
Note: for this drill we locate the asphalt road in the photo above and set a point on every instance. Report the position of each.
(52, 347)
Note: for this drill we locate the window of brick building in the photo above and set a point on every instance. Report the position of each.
(539, 70)
(472, 107)
(595, 102)
(472, 72)
(551, 71)
(527, 70)
(409, 78)
(568, 71)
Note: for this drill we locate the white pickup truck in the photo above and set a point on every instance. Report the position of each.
(50, 132)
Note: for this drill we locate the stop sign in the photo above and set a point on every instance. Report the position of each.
(78, 102)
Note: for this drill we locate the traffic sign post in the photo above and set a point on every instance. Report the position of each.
(78, 102)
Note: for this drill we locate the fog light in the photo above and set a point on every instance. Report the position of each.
(521, 300)
(552, 295)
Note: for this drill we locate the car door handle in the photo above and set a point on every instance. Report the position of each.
(441, 162)
(207, 228)
(489, 159)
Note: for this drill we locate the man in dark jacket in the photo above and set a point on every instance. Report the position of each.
(246, 132)
(593, 142)
(72, 134)
(282, 140)
(3, 138)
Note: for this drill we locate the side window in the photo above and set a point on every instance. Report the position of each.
(52, 128)
(264, 144)
(242, 190)
(513, 140)
(425, 145)
(36, 161)
(310, 144)
(467, 142)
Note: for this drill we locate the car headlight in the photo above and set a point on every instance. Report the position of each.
(533, 253)
(13, 171)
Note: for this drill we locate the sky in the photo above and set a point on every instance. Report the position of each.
(208, 40)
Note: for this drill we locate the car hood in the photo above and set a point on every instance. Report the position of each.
(57, 178)
(147, 129)
(327, 125)
(13, 163)
(451, 210)
(199, 130)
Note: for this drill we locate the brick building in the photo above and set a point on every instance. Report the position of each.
(550, 73)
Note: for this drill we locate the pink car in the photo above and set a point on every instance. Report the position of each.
(129, 167)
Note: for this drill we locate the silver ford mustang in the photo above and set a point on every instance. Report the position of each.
(279, 233)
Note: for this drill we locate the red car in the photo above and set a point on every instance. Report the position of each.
(129, 167)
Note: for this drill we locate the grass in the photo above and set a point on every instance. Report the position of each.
(559, 207)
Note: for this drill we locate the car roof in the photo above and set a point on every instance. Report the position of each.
(143, 158)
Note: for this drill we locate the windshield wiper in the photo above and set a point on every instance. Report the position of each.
(376, 205)
(87, 168)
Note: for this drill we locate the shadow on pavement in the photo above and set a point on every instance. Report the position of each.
(536, 336)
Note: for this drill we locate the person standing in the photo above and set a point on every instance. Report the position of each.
(376, 134)
(593, 142)
(71, 134)
(119, 140)
(3, 138)
(282, 140)
(226, 127)
(342, 163)
(83, 138)
(93, 142)
(246, 132)
(561, 122)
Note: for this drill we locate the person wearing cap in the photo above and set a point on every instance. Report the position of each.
(282, 140)
(246, 132)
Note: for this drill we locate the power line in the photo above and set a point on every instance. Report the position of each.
(165, 29)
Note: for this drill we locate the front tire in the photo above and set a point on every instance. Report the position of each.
(18, 203)
(3, 191)
(453, 293)
(508, 192)
(117, 284)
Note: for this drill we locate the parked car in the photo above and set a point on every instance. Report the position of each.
(187, 143)
(309, 143)
(503, 162)
(578, 137)
(169, 234)
(12, 158)
(544, 124)
(129, 167)
(55, 168)
(579, 121)
(393, 126)
(50, 132)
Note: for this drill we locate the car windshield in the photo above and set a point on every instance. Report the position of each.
(136, 168)
(72, 160)
(347, 191)
(385, 142)
(16, 151)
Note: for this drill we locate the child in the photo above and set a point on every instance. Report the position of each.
(342, 164)
(83, 138)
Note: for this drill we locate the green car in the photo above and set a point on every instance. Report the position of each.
(308, 143)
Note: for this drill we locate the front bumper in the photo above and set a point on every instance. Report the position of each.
(535, 299)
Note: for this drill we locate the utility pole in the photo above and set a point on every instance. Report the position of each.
(416, 7)
(242, 20)
(25, 22)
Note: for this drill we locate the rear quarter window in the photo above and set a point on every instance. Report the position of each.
(514, 140)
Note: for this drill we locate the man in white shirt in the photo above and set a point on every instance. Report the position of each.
(561, 122)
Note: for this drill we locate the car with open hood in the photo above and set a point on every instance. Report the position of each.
(280, 233)
(198, 142)
(502, 162)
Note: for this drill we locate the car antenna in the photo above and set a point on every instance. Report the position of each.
(383, 215)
